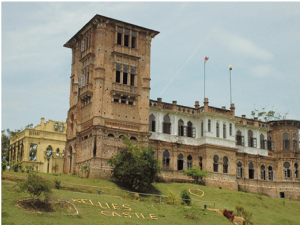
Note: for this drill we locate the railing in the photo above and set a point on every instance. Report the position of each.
(125, 87)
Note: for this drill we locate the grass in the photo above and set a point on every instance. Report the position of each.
(265, 210)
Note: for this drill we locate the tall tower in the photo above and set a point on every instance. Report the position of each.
(109, 93)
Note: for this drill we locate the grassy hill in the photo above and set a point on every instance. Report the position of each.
(148, 210)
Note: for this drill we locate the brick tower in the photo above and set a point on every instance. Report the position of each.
(109, 93)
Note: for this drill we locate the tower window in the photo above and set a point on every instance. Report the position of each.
(125, 75)
(119, 36)
(118, 74)
(133, 39)
(152, 123)
(286, 141)
(126, 38)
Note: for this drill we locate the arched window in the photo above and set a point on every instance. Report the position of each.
(49, 151)
(56, 127)
(217, 130)
(61, 127)
(133, 138)
(296, 170)
(167, 125)
(295, 142)
(225, 164)
(180, 162)
(202, 130)
(181, 130)
(209, 126)
(287, 170)
(32, 152)
(270, 171)
(262, 141)
(263, 172)
(230, 129)
(110, 135)
(239, 170)
(216, 163)
(251, 170)
(286, 141)
(251, 139)
(57, 152)
(166, 159)
(152, 123)
(224, 130)
(239, 138)
(200, 163)
(190, 129)
(189, 162)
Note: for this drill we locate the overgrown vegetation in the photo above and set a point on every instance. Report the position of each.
(228, 214)
(171, 197)
(243, 213)
(186, 197)
(135, 166)
(86, 170)
(196, 173)
(264, 115)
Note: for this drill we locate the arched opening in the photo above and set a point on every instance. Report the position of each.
(209, 126)
(225, 164)
(70, 165)
(57, 152)
(200, 163)
(189, 162)
(263, 172)
(61, 127)
(251, 170)
(181, 130)
(152, 123)
(133, 138)
(110, 135)
(217, 130)
(202, 129)
(230, 129)
(287, 170)
(166, 159)
(49, 151)
(56, 127)
(286, 141)
(216, 163)
(224, 130)
(180, 162)
(239, 170)
(239, 138)
(167, 125)
(296, 170)
(262, 141)
(121, 136)
(251, 139)
(270, 172)
(190, 129)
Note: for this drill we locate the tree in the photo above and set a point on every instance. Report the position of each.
(266, 116)
(196, 173)
(135, 166)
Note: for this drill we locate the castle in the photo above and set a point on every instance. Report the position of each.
(109, 98)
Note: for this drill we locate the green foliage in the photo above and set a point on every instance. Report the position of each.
(86, 169)
(191, 212)
(196, 173)
(171, 197)
(186, 197)
(243, 213)
(135, 166)
(266, 116)
(17, 166)
(35, 186)
(57, 184)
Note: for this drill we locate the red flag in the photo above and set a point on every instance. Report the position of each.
(206, 58)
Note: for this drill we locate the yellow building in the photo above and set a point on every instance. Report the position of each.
(42, 147)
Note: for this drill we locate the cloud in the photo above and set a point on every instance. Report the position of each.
(241, 45)
(266, 70)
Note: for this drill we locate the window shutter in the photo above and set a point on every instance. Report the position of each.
(272, 145)
(194, 132)
(82, 45)
(265, 144)
(243, 143)
(254, 142)
(179, 133)
(184, 131)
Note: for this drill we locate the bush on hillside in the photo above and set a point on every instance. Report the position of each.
(196, 173)
(186, 198)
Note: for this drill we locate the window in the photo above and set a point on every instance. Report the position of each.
(200, 163)
(126, 38)
(251, 170)
(286, 141)
(189, 162)
(57, 152)
(133, 138)
(295, 142)
(239, 138)
(132, 76)
(287, 170)
(63, 154)
(110, 135)
(262, 141)
(270, 143)
(251, 139)
(61, 127)
(296, 170)
(167, 125)
(225, 164)
(123, 99)
(202, 129)
(190, 129)
(125, 74)
(180, 162)
(119, 35)
(152, 123)
(217, 129)
(230, 129)
(133, 39)
(166, 159)
(270, 172)
(239, 170)
(49, 151)
(32, 152)
(181, 128)
(263, 172)
(118, 73)
(209, 126)
(224, 130)
(216, 163)
(56, 127)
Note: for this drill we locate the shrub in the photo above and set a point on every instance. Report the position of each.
(171, 197)
(186, 198)
(35, 186)
(228, 214)
(86, 169)
(196, 173)
(57, 184)
(243, 213)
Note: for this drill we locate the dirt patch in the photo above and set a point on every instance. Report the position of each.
(39, 206)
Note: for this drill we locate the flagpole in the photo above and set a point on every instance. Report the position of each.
(230, 68)
(204, 78)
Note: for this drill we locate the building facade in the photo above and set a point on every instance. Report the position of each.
(109, 98)
(41, 148)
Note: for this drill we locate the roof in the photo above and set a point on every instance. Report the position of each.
(97, 16)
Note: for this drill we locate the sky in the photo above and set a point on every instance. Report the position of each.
(260, 40)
